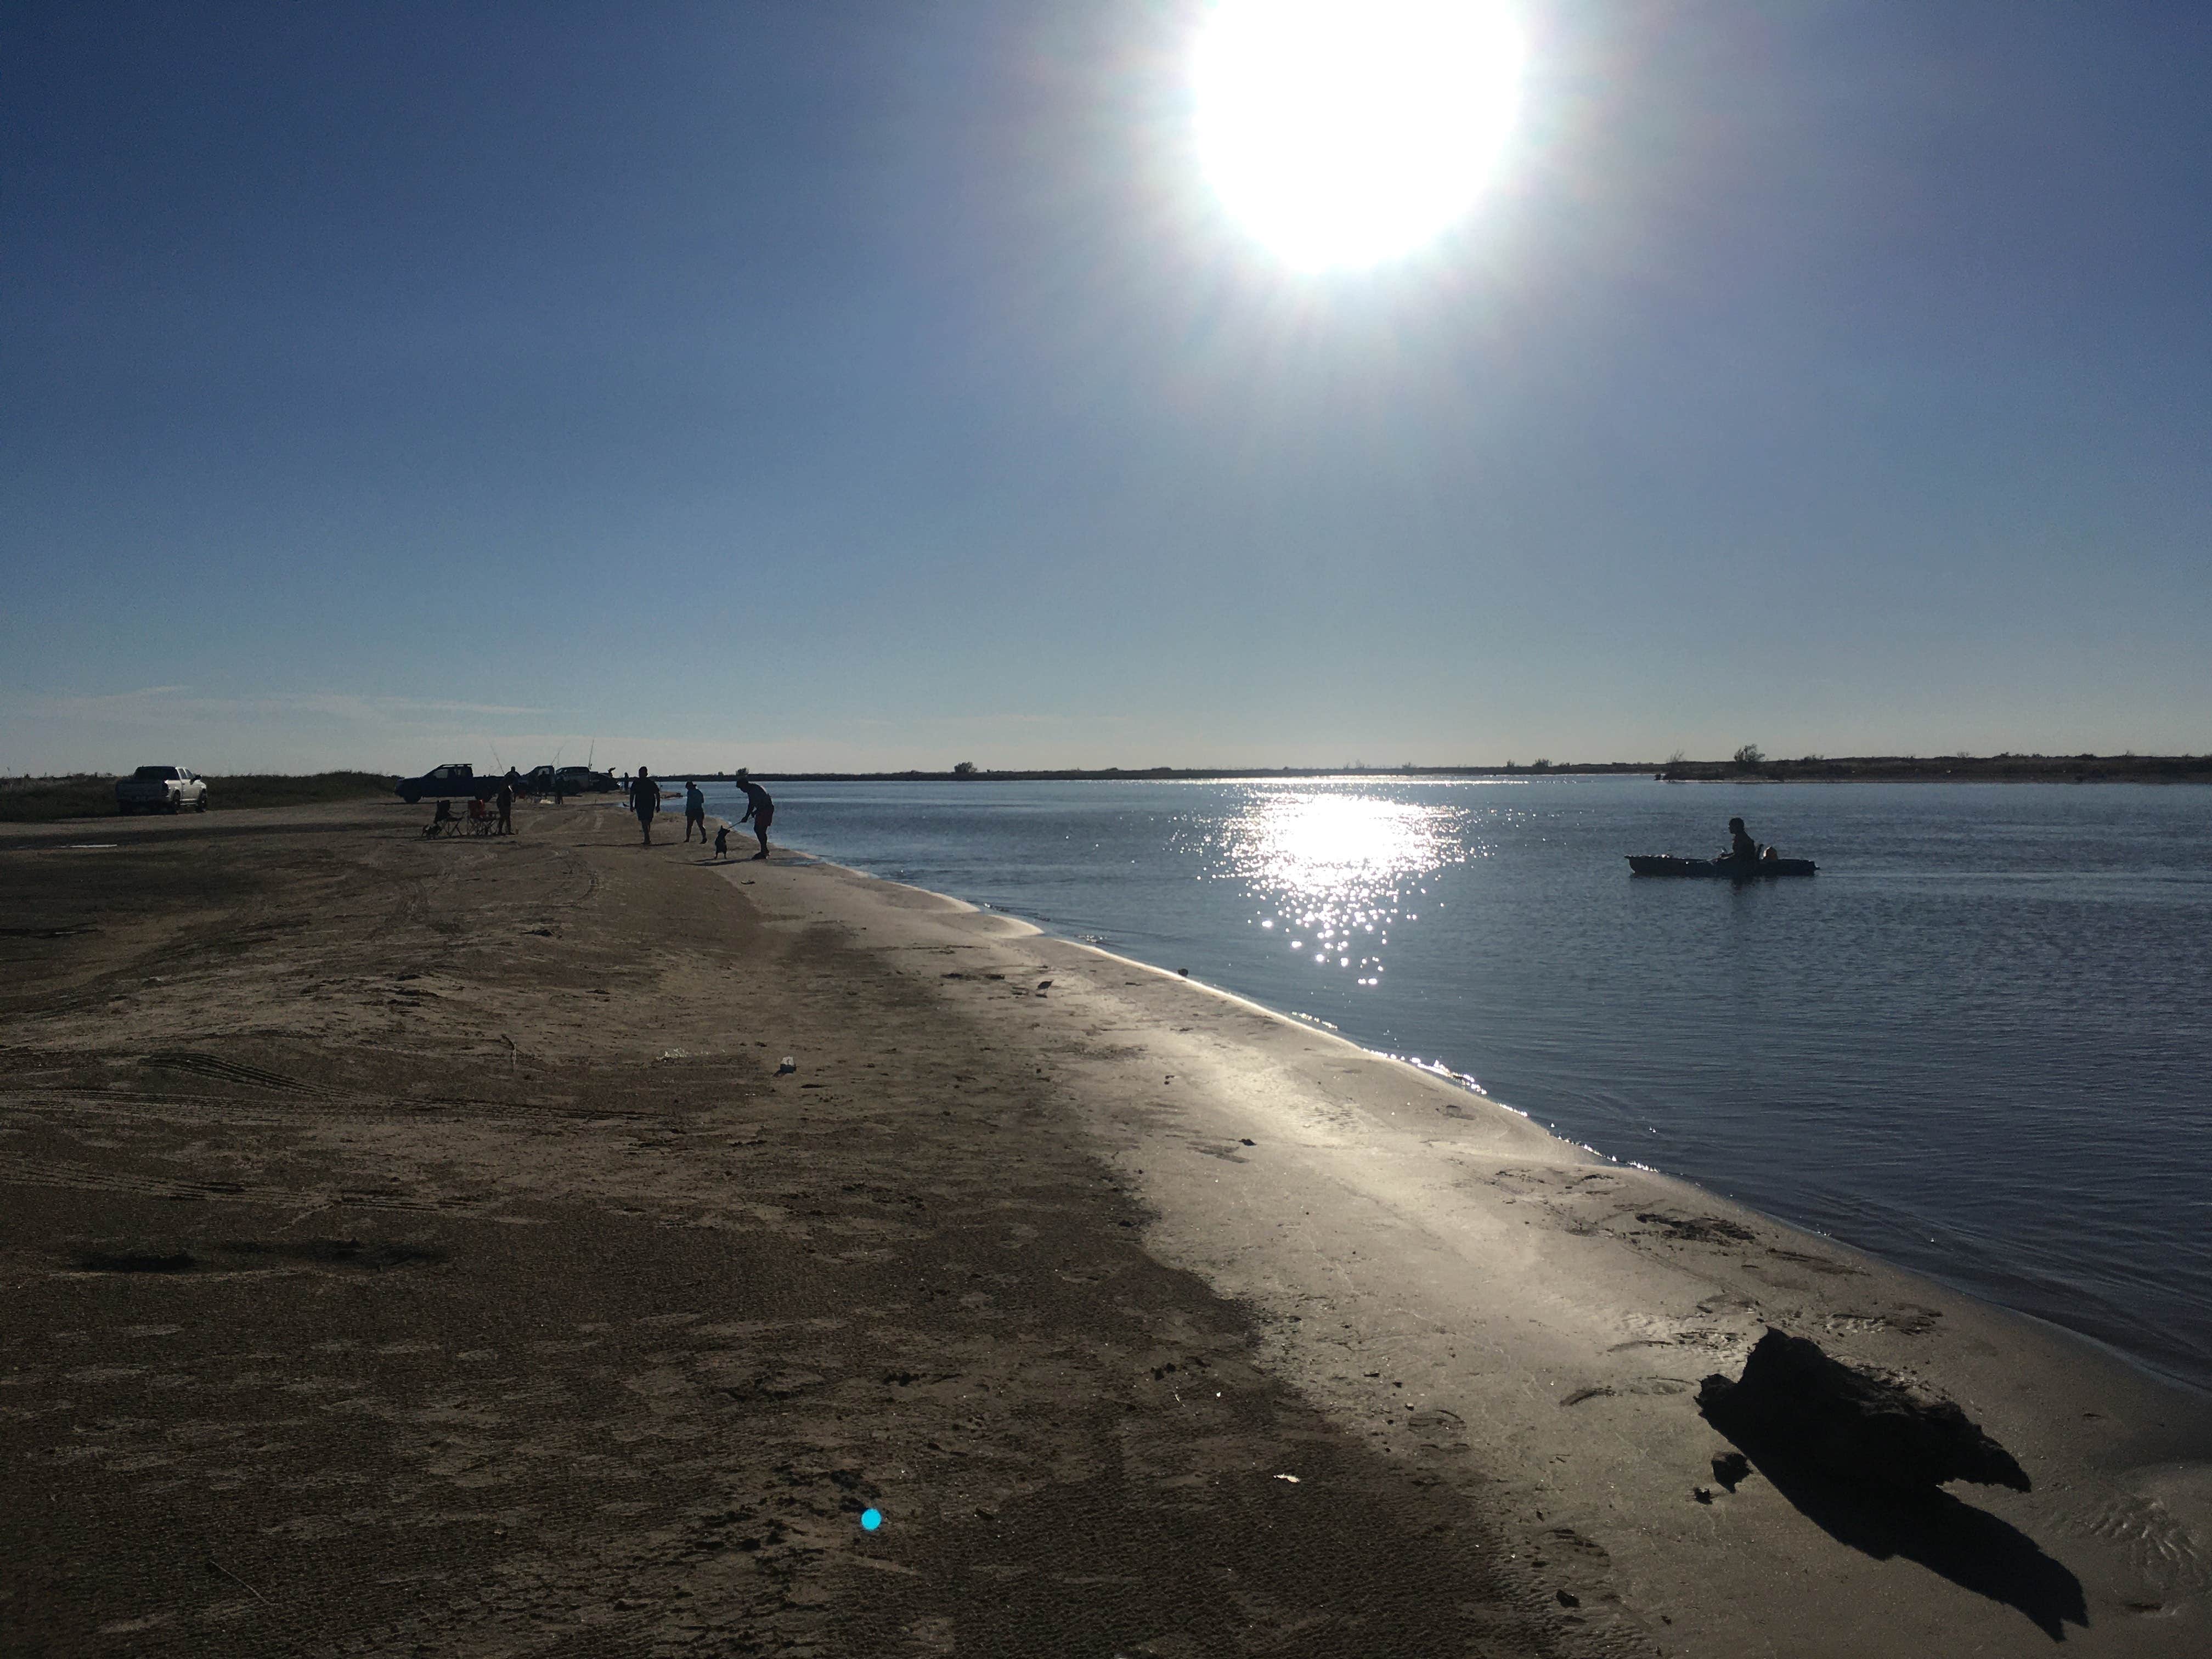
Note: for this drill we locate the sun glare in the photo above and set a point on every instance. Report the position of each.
(1342, 133)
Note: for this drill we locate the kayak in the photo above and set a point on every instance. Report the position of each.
(1756, 870)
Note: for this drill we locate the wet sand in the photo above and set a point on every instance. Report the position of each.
(415, 1247)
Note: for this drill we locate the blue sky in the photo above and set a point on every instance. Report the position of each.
(845, 384)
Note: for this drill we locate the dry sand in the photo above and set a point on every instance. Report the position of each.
(412, 1248)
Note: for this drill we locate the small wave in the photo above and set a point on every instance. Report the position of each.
(1434, 1068)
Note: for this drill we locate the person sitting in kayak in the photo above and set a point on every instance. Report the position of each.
(1742, 848)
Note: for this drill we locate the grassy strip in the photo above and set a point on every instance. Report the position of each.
(1950, 768)
(277, 789)
(43, 800)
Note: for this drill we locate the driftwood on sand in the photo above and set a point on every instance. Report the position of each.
(1794, 1401)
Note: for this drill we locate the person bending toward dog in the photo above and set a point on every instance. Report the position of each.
(760, 811)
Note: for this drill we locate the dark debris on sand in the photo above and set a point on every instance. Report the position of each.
(1854, 1426)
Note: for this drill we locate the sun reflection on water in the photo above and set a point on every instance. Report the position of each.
(1335, 871)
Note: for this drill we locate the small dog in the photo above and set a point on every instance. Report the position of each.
(722, 841)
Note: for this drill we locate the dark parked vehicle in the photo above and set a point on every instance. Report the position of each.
(453, 781)
(161, 789)
(570, 780)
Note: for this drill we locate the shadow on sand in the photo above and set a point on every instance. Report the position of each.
(1971, 1547)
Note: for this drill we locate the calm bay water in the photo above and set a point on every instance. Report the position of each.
(1979, 1042)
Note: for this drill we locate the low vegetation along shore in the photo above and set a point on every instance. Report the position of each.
(92, 794)
(1748, 766)
(1751, 767)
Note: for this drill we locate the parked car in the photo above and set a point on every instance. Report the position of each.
(454, 780)
(565, 780)
(582, 781)
(161, 789)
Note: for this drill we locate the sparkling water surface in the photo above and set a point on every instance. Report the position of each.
(1979, 1042)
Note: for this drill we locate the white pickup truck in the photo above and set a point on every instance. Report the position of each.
(161, 789)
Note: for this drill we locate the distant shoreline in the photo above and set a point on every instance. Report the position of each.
(91, 794)
(1880, 769)
(1951, 768)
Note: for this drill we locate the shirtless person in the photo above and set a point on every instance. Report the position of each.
(759, 808)
(644, 801)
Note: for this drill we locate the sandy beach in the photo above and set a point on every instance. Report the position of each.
(424, 1246)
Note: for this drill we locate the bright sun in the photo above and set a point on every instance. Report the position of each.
(1344, 132)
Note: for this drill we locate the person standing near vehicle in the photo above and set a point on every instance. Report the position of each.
(695, 812)
(644, 801)
(760, 811)
(506, 799)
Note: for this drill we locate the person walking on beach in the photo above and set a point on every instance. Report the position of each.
(644, 801)
(759, 808)
(506, 807)
(695, 812)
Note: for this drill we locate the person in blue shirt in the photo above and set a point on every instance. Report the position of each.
(759, 808)
(695, 812)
